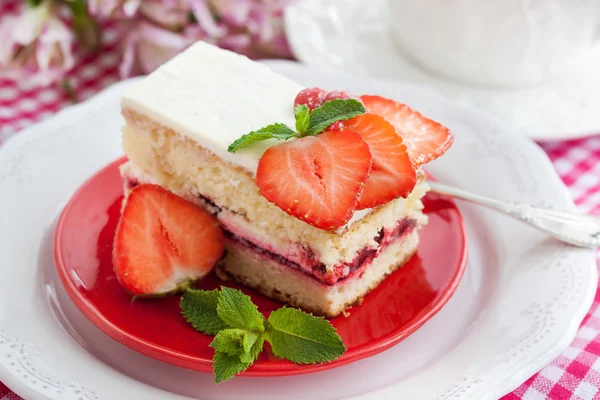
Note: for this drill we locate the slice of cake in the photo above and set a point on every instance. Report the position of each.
(316, 222)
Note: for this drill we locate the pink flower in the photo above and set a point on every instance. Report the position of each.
(260, 20)
(163, 31)
(167, 27)
(103, 9)
(206, 18)
(233, 12)
(148, 46)
(169, 14)
(36, 45)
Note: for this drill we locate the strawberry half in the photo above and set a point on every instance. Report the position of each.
(425, 139)
(317, 179)
(392, 173)
(163, 242)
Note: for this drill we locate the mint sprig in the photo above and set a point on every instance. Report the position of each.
(303, 338)
(226, 367)
(199, 308)
(240, 331)
(302, 115)
(234, 342)
(308, 123)
(332, 111)
(238, 311)
(274, 131)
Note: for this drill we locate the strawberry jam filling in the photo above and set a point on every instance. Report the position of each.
(341, 271)
(305, 260)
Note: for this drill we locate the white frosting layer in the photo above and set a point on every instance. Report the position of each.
(214, 96)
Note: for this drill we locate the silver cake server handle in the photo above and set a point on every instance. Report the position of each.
(578, 230)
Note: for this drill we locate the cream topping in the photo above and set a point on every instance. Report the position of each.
(214, 96)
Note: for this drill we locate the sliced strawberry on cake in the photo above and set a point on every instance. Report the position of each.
(317, 179)
(392, 174)
(284, 169)
(164, 243)
(425, 139)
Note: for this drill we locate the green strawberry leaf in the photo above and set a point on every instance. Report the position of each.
(237, 310)
(275, 131)
(302, 114)
(332, 111)
(303, 338)
(199, 308)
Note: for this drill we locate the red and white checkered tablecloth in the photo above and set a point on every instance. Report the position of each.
(573, 375)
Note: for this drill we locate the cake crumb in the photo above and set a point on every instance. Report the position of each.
(346, 313)
(360, 301)
(222, 275)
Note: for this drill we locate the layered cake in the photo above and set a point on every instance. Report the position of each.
(316, 220)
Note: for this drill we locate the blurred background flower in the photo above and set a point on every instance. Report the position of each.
(36, 44)
(106, 9)
(44, 40)
(165, 28)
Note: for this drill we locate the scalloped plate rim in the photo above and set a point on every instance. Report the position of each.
(499, 388)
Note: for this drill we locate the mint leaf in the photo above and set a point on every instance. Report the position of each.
(199, 308)
(248, 341)
(308, 123)
(332, 111)
(303, 338)
(239, 330)
(238, 311)
(302, 114)
(235, 342)
(230, 341)
(225, 366)
(275, 131)
(255, 350)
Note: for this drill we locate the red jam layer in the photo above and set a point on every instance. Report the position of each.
(311, 266)
(341, 271)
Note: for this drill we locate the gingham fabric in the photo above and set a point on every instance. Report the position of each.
(573, 375)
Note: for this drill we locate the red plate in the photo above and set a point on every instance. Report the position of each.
(398, 307)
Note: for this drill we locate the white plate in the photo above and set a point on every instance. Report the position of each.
(518, 306)
(353, 36)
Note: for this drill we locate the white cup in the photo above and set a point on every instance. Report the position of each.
(500, 42)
